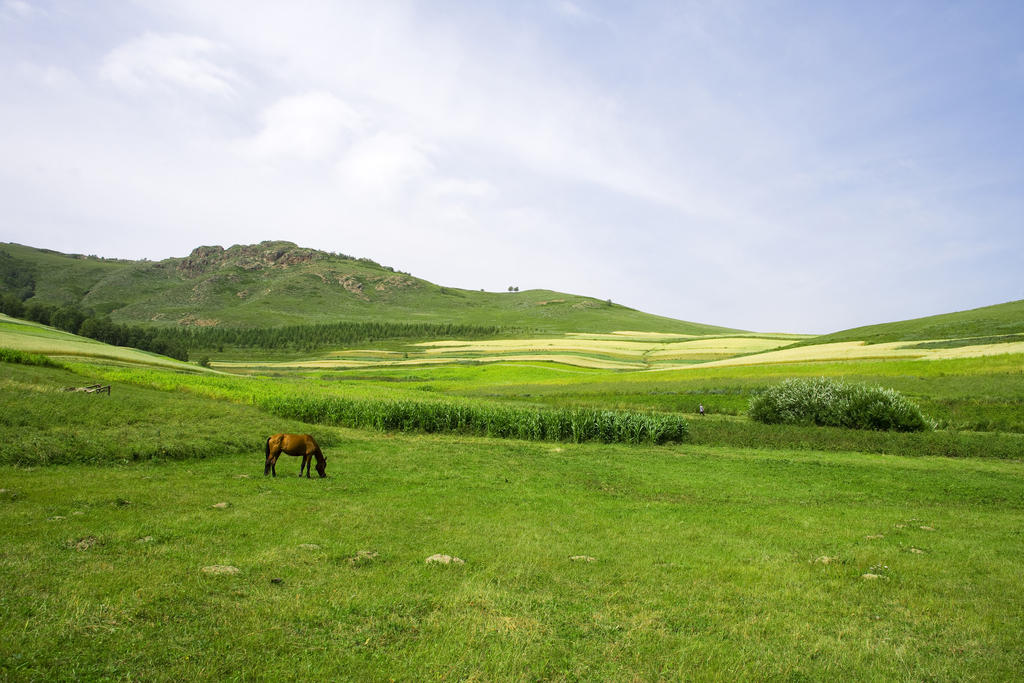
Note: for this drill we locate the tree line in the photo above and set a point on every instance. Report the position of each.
(323, 335)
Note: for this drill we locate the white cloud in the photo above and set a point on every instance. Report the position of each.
(309, 126)
(574, 12)
(383, 164)
(50, 76)
(568, 9)
(167, 61)
(18, 8)
(462, 189)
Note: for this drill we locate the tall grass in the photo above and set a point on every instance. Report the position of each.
(22, 358)
(510, 422)
(827, 402)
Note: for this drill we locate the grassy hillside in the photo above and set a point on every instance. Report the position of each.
(59, 278)
(29, 337)
(279, 283)
(990, 324)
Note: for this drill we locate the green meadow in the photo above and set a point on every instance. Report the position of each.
(746, 551)
(692, 563)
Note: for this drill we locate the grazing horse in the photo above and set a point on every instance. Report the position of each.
(295, 444)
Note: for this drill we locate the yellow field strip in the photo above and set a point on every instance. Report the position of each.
(340, 363)
(717, 346)
(538, 345)
(859, 351)
(646, 337)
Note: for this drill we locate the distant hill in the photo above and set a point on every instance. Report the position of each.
(990, 324)
(279, 283)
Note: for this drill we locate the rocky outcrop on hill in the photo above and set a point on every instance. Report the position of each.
(247, 256)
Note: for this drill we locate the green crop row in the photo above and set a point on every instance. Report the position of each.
(509, 422)
(13, 356)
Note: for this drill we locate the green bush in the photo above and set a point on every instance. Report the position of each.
(832, 403)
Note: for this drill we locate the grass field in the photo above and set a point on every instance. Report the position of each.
(749, 552)
(708, 564)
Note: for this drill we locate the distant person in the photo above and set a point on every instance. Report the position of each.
(702, 410)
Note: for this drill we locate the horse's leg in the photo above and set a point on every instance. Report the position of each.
(307, 460)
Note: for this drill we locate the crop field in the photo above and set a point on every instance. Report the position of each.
(619, 351)
(860, 351)
(628, 351)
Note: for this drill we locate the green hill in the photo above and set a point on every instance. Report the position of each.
(987, 325)
(279, 283)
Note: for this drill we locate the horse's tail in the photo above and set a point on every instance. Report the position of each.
(266, 451)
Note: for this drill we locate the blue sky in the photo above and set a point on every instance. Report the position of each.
(773, 166)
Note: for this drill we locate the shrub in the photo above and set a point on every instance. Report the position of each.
(831, 403)
(11, 305)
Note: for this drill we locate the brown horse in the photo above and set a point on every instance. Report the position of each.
(295, 444)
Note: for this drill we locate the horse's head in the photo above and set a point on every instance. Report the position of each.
(321, 467)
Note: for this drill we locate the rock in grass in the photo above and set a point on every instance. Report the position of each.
(444, 559)
(365, 557)
(221, 569)
(220, 505)
(145, 539)
(82, 543)
(872, 577)
(582, 558)
(310, 546)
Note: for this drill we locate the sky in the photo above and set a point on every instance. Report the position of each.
(769, 165)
